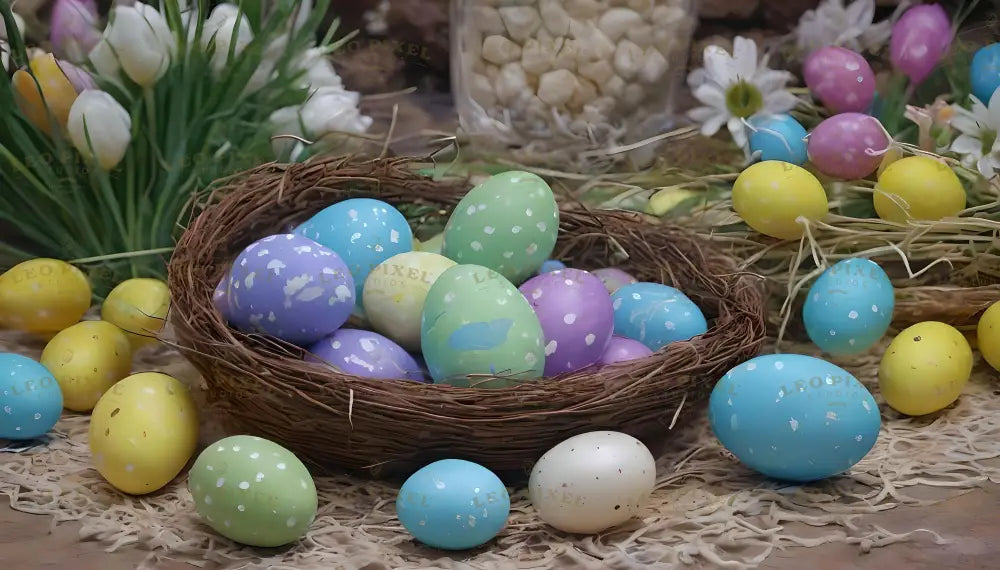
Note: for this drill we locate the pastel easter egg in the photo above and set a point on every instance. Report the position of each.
(508, 223)
(778, 137)
(921, 37)
(794, 417)
(849, 307)
(477, 322)
(773, 197)
(30, 399)
(575, 312)
(918, 188)
(614, 278)
(366, 354)
(453, 504)
(984, 72)
(220, 297)
(925, 368)
(621, 349)
(290, 287)
(551, 265)
(840, 78)
(656, 315)
(43, 296)
(848, 146)
(363, 232)
(988, 335)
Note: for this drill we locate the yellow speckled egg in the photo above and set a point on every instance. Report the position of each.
(138, 307)
(143, 431)
(919, 188)
(772, 195)
(988, 335)
(925, 368)
(43, 296)
(87, 359)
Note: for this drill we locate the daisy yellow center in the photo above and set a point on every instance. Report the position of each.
(744, 99)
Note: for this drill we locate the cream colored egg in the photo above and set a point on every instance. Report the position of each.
(143, 431)
(43, 296)
(87, 359)
(138, 307)
(395, 292)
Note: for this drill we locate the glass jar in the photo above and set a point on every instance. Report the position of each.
(566, 76)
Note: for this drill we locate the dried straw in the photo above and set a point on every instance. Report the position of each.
(391, 427)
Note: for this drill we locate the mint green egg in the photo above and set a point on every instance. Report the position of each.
(476, 322)
(253, 491)
(509, 223)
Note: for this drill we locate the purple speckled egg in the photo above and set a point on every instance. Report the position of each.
(840, 78)
(220, 297)
(621, 349)
(366, 354)
(848, 146)
(920, 39)
(290, 287)
(614, 278)
(574, 309)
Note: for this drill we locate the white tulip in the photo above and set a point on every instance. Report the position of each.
(5, 55)
(138, 41)
(328, 110)
(18, 20)
(219, 27)
(97, 115)
(319, 71)
(268, 62)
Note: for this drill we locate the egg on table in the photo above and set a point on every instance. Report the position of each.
(87, 359)
(772, 196)
(476, 322)
(453, 505)
(988, 335)
(592, 482)
(656, 315)
(30, 399)
(366, 354)
(43, 296)
(576, 315)
(290, 287)
(848, 146)
(794, 417)
(509, 223)
(777, 137)
(925, 368)
(139, 307)
(143, 431)
(253, 491)
(918, 188)
(614, 278)
(849, 307)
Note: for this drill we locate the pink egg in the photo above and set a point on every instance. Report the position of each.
(840, 78)
(622, 349)
(614, 278)
(920, 38)
(848, 146)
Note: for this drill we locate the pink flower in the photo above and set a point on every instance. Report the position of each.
(74, 29)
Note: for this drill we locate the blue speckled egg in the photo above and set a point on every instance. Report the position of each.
(794, 417)
(985, 72)
(453, 505)
(778, 137)
(30, 399)
(364, 232)
(366, 354)
(290, 287)
(849, 307)
(656, 315)
(551, 265)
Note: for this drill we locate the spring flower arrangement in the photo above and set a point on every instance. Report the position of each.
(108, 142)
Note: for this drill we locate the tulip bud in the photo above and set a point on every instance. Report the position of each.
(138, 41)
(49, 87)
(319, 72)
(219, 28)
(3, 27)
(74, 29)
(920, 38)
(100, 128)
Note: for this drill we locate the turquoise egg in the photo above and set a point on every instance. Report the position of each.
(794, 417)
(453, 505)
(656, 314)
(849, 307)
(778, 137)
(551, 265)
(364, 232)
(985, 72)
(30, 398)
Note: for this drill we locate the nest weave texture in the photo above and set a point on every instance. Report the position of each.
(393, 427)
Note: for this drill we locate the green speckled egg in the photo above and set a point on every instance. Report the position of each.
(253, 491)
(508, 223)
(476, 322)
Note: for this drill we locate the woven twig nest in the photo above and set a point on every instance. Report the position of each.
(390, 426)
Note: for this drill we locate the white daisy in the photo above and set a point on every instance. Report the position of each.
(735, 87)
(978, 144)
(852, 27)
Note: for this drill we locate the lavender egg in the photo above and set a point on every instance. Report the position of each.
(366, 354)
(840, 78)
(574, 309)
(848, 146)
(220, 297)
(290, 287)
(622, 349)
(614, 278)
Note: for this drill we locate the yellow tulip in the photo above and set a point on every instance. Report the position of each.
(57, 93)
